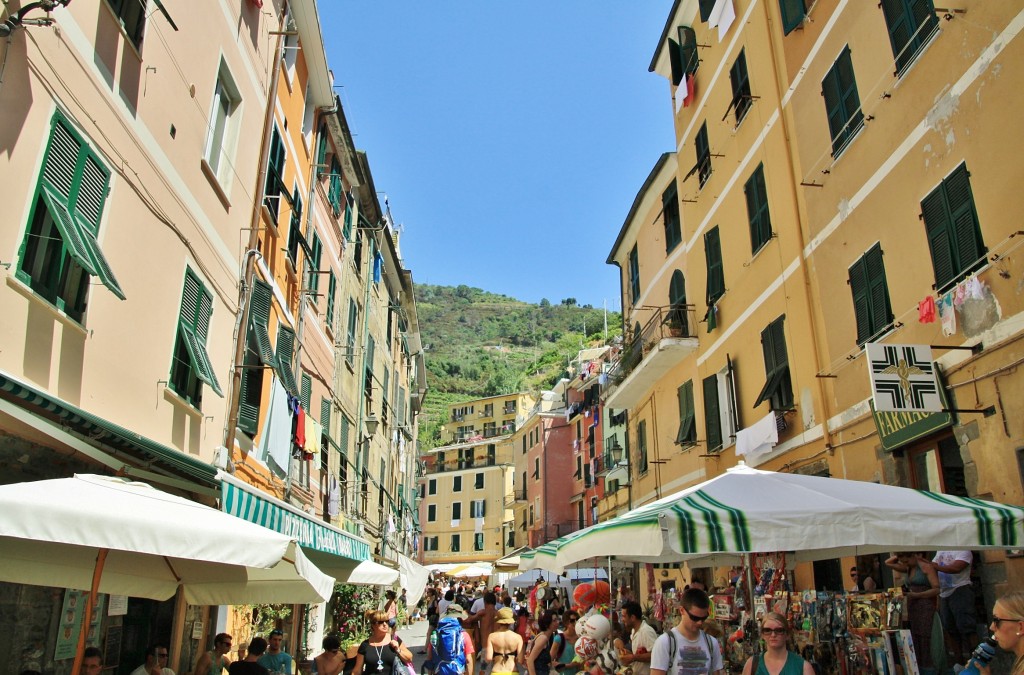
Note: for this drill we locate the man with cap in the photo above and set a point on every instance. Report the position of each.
(504, 645)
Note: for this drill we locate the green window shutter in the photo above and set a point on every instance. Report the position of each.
(910, 24)
(307, 391)
(321, 150)
(687, 433)
(274, 184)
(703, 150)
(259, 319)
(313, 263)
(193, 325)
(670, 217)
(325, 417)
(716, 270)
(712, 414)
(859, 287)
(677, 302)
(249, 400)
(937, 226)
(740, 87)
(675, 61)
(641, 445)
(343, 442)
(757, 209)
(878, 290)
(969, 247)
(830, 92)
(335, 193)
(777, 388)
(60, 167)
(351, 336)
(793, 13)
(842, 101)
(688, 57)
(283, 362)
(634, 274)
(332, 287)
(705, 9)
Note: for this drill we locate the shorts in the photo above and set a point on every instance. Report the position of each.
(957, 612)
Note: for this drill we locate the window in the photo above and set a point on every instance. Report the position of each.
(131, 14)
(258, 353)
(313, 263)
(351, 336)
(429, 543)
(536, 468)
(579, 467)
(432, 486)
(954, 233)
(291, 50)
(456, 542)
(911, 23)
(456, 510)
(285, 350)
(687, 432)
(456, 483)
(870, 295)
(307, 390)
(757, 209)
(531, 514)
(295, 231)
(346, 229)
(683, 54)
(842, 103)
(641, 446)
(778, 388)
(274, 186)
(224, 122)
(634, 275)
(703, 150)
(60, 250)
(716, 269)
(308, 113)
(705, 9)
(335, 191)
(740, 87)
(479, 485)
(587, 480)
(478, 541)
(191, 365)
(357, 253)
(670, 218)
(677, 304)
(431, 513)
(793, 13)
(477, 508)
(332, 288)
(720, 410)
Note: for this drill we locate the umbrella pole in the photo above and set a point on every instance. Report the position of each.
(90, 602)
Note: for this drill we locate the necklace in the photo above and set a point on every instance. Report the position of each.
(380, 656)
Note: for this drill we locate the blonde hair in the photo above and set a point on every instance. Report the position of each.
(1014, 604)
(377, 616)
(775, 616)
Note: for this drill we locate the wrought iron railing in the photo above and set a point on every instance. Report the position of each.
(670, 321)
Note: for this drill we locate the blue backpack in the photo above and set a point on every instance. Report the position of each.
(449, 652)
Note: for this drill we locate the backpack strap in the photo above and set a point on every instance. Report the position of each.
(671, 650)
(755, 663)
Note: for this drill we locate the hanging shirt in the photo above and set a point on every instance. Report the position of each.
(926, 310)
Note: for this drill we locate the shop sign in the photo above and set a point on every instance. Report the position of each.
(903, 378)
(896, 429)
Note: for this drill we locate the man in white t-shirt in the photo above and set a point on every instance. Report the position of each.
(641, 640)
(686, 649)
(956, 602)
(442, 604)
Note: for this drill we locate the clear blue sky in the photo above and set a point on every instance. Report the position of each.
(510, 137)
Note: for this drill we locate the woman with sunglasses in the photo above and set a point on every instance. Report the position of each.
(563, 651)
(1008, 630)
(377, 653)
(776, 658)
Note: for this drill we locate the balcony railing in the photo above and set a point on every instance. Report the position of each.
(667, 337)
(519, 494)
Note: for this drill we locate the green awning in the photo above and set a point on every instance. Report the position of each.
(314, 536)
(104, 432)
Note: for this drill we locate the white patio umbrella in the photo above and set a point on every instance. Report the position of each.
(369, 573)
(109, 535)
(529, 578)
(746, 510)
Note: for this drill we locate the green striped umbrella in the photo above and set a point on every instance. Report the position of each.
(746, 510)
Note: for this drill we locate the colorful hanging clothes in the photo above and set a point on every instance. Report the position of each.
(300, 428)
(926, 310)
(947, 313)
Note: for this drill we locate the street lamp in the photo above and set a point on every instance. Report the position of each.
(370, 424)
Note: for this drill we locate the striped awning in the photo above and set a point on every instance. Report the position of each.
(102, 433)
(338, 550)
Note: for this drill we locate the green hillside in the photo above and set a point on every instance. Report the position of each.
(483, 344)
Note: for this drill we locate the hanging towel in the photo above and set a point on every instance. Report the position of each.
(691, 91)
(313, 434)
(725, 19)
(947, 314)
(715, 17)
(757, 439)
(959, 294)
(333, 498)
(975, 288)
(300, 428)
(926, 310)
(275, 439)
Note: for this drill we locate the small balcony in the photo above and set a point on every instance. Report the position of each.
(668, 336)
(520, 495)
(612, 458)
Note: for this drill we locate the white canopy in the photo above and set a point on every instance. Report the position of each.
(746, 510)
(369, 573)
(52, 530)
(528, 578)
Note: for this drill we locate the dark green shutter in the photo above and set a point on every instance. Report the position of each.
(675, 61)
(969, 247)
(274, 184)
(193, 326)
(343, 441)
(307, 391)
(716, 270)
(705, 9)
(670, 217)
(740, 83)
(686, 435)
(878, 290)
(249, 412)
(688, 58)
(793, 13)
(910, 24)
(757, 209)
(703, 150)
(842, 101)
(283, 362)
(321, 151)
(677, 302)
(350, 355)
(937, 227)
(332, 287)
(712, 414)
(859, 287)
(259, 320)
(325, 415)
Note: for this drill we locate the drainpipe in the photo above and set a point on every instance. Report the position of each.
(254, 234)
(365, 331)
(777, 61)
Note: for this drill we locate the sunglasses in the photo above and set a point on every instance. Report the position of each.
(695, 617)
(382, 621)
(773, 631)
(996, 620)
(162, 656)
